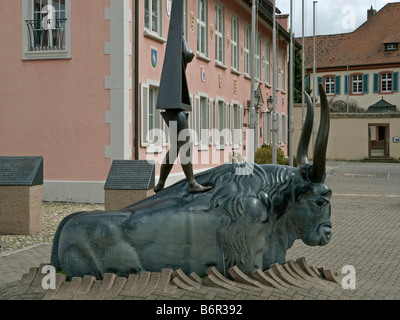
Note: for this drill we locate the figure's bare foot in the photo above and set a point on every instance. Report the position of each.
(197, 188)
(158, 187)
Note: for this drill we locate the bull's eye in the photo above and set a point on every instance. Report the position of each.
(321, 202)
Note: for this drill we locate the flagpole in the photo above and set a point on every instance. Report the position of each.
(291, 88)
(274, 84)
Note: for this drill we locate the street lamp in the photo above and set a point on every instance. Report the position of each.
(270, 103)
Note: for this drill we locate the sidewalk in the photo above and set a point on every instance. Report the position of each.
(366, 224)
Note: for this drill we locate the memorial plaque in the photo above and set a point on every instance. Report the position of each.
(131, 175)
(21, 171)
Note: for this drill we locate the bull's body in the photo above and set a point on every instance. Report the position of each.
(174, 229)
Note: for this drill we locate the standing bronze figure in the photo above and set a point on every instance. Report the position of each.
(174, 98)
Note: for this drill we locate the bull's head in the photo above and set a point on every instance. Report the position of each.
(312, 210)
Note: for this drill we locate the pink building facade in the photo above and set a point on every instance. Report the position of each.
(79, 83)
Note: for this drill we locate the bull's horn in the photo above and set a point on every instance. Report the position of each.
(302, 149)
(317, 171)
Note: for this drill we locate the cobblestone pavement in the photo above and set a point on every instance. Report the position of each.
(366, 223)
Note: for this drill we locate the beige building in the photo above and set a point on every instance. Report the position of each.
(360, 69)
(361, 66)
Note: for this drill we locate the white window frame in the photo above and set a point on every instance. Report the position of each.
(267, 59)
(219, 33)
(283, 71)
(387, 82)
(220, 123)
(247, 41)
(27, 54)
(148, 23)
(202, 121)
(202, 28)
(258, 58)
(149, 93)
(236, 124)
(330, 85)
(357, 84)
(235, 42)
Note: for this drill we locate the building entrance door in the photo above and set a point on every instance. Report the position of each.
(378, 140)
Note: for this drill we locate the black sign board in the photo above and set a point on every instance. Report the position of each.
(21, 171)
(131, 175)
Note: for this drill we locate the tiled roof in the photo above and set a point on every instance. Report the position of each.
(363, 46)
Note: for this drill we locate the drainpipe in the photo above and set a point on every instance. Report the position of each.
(136, 71)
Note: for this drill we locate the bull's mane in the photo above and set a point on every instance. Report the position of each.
(230, 189)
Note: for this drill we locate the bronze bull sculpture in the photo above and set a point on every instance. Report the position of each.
(245, 220)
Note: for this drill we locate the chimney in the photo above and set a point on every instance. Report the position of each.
(370, 13)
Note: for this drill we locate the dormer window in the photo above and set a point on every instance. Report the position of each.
(391, 46)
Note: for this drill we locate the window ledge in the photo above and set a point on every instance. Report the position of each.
(154, 36)
(153, 149)
(202, 56)
(220, 65)
(47, 55)
(234, 71)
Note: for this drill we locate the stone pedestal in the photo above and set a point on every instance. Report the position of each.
(20, 209)
(119, 199)
(128, 182)
(21, 180)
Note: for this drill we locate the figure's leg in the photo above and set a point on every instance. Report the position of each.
(166, 168)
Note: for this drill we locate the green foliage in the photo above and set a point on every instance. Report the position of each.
(263, 155)
(297, 94)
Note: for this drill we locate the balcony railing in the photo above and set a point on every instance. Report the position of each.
(51, 38)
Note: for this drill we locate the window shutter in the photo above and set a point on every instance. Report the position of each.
(346, 84)
(210, 121)
(338, 85)
(241, 125)
(231, 124)
(366, 83)
(267, 129)
(376, 82)
(284, 129)
(279, 123)
(197, 119)
(320, 81)
(226, 127)
(144, 113)
(395, 82)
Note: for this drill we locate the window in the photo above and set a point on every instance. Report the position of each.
(235, 42)
(267, 62)
(202, 27)
(153, 135)
(330, 85)
(152, 16)
(357, 86)
(219, 33)
(386, 82)
(202, 122)
(46, 29)
(391, 46)
(236, 125)
(220, 124)
(258, 57)
(247, 40)
(283, 71)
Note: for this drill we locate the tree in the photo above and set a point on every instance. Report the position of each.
(297, 77)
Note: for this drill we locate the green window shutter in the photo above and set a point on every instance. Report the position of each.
(337, 85)
(346, 84)
(395, 82)
(376, 82)
(320, 81)
(366, 83)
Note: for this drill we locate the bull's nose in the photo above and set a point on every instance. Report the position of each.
(328, 232)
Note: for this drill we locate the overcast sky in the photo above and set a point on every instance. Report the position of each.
(332, 16)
